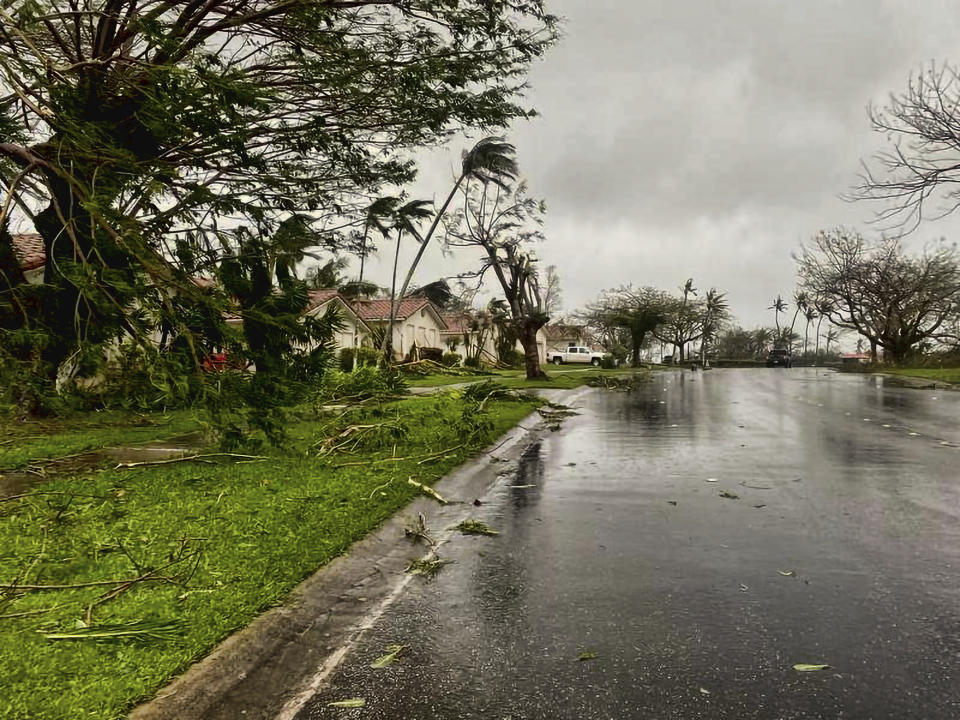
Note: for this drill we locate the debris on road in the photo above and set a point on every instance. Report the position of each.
(475, 527)
(351, 703)
(426, 566)
(806, 667)
(584, 656)
(417, 531)
(393, 652)
(729, 495)
(428, 491)
(787, 573)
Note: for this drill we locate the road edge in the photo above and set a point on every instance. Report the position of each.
(262, 667)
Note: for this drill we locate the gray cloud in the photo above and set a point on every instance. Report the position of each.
(707, 139)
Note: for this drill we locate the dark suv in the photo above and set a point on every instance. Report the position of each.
(779, 357)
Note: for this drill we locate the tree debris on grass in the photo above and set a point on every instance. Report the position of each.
(416, 531)
(426, 566)
(475, 527)
(138, 630)
(393, 652)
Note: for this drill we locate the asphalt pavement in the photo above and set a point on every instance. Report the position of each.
(675, 552)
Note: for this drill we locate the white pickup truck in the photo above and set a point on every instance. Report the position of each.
(575, 355)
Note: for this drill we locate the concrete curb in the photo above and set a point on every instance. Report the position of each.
(282, 655)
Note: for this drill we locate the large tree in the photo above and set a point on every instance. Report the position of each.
(893, 300)
(636, 312)
(135, 133)
(503, 223)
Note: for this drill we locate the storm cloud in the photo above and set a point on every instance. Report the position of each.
(706, 139)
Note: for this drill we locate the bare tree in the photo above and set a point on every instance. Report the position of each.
(873, 288)
(923, 124)
(503, 222)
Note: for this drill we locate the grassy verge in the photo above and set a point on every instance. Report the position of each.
(563, 377)
(25, 443)
(223, 542)
(947, 375)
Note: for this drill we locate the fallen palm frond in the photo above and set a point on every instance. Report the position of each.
(475, 527)
(429, 491)
(138, 630)
(426, 566)
(417, 531)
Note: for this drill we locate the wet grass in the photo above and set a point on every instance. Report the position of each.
(563, 377)
(22, 444)
(947, 375)
(209, 545)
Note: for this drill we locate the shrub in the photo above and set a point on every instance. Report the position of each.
(451, 359)
(511, 358)
(365, 356)
(608, 362)
(472, 362)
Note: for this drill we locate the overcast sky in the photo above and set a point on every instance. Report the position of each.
(705, 139)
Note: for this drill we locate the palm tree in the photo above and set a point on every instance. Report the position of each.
(822, 308)
(810, 314)
(374, 215)
(490, 160)
(761, 338)
(715, 311)
(800, 305)
(679, 341)
(404, 219)
(832, 336)
(778, 307)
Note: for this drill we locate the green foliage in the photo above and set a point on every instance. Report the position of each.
(608, 362)
(471, 362)
(265, 526)
(363, 382)
(451, 359)
(511, 357)
(364, 356)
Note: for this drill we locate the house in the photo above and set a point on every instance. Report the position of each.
(854, 359)
(463, 336)
(417, 322)
(353, 332)
(28, 247)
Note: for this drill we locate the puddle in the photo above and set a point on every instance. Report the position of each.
(18, 481)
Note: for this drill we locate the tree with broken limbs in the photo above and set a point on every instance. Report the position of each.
(503, 223)
(132, 132)
(893, 300)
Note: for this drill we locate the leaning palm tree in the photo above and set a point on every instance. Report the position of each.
(832, 335)
(374, 216)
(404, 220)
(778, 307)
(800, 303)
(490, 160)
(810, 314)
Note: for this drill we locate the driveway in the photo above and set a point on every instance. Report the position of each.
(692, 542)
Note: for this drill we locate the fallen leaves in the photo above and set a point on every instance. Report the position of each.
(393, 652)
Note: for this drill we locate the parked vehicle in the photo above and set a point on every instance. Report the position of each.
(575, 354)
(779, 357)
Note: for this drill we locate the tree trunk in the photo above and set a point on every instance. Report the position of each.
(527, 334)
(873, 350)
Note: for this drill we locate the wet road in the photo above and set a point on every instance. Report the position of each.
(838, 542)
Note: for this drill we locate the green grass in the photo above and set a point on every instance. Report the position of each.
(25, 443)
(947, 375)
(562, 377)
(258, 529)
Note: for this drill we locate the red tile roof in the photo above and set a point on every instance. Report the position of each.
(319, 297)
(29, 249)
(456, 322)
(380, 309)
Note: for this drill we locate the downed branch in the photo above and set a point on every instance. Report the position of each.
(475, 527)
(352, 437)
(199, 457)
(416, 531)
(427, 566)
(140, 630)
(429, 491)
